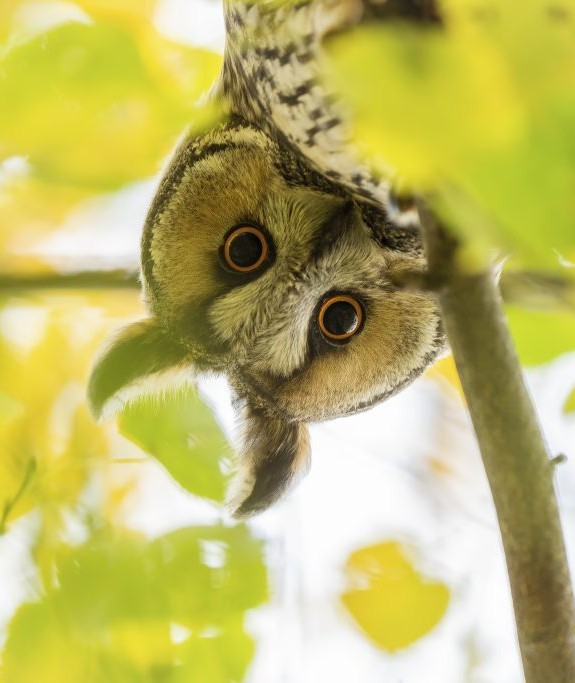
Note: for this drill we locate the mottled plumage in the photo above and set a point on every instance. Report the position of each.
(268, 254)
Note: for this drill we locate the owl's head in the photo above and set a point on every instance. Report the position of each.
(256, 266)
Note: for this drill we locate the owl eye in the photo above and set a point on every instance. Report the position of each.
(340, 316)
(245, 249)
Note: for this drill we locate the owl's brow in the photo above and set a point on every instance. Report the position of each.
(190, 154)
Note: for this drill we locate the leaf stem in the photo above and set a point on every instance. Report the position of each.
(11, 504)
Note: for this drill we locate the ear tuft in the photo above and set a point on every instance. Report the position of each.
(137, 354)
(275, 456)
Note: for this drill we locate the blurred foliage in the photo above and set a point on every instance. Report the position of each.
(180, 431)
(30, 209)
(390, 600)
(91, 105)
(117, 607)
(480, 113)
(101, 93)
(541, 336)
(125, 609)
(47, 438)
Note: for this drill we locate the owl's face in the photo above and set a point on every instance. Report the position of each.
(258, 267)
(282, 284)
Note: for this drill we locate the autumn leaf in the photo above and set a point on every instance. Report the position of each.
(181, 432)
(389, 599)
(541, 336)
(127, 609)
(480, 112)
(49, 444)
(99, 109)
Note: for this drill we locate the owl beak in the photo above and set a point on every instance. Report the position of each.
(344, 220)
(341, 222)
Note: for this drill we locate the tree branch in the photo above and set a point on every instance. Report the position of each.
(515, 458)
(98, 279)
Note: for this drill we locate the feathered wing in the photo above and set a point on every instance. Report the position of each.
(272, 78)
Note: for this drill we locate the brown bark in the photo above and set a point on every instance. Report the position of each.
(515, 458)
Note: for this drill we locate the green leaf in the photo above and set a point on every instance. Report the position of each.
(98, 105)
(180, 431)
(480, 112)
(128, 610)
(402, 113)
(48, 442)
(528, 189)
(392, 603)
(541, 336)
(211, 658)
(10, 408)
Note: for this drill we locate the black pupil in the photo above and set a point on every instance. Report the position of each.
(340, 318)
(245, 249)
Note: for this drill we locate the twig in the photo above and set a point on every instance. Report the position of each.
(11, 504)
(98, 279)
(515, 458)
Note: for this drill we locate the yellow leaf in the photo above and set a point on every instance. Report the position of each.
(98, 105)
(535, 38)
(480, 111)
(131, 610)
(48, 442)
(392, 603)
(30, 208)
(445, 371)
(9, 408)
(419, 111)
(129, 11)
(569, 405)
(146, 644)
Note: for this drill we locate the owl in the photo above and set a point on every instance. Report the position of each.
(269, 255)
